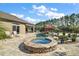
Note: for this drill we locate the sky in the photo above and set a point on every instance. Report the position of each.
(36, 12)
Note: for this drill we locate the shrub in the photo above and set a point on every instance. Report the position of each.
(64, 33)
(63, 37)
(69, 35)
(74, 37)
(3, 34)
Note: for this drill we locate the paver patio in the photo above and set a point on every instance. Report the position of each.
(14, 47)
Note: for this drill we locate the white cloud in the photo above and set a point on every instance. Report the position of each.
(32, 20)
(18, 15)
(39, 14)
(54, 14)
(49, 12)
(28, 19)
(54, 9)
(41, 9)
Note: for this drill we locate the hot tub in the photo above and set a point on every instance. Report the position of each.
(40, 45)
(41, 40)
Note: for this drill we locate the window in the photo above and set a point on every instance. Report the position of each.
(16, 28)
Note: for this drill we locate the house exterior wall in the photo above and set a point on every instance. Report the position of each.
(8, 26)
(22, 29)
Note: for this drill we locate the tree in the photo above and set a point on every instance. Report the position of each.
(72, 19)
(67, 23)
(66, 20)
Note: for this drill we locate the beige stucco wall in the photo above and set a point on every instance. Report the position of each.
(22, 29)
(8, 26)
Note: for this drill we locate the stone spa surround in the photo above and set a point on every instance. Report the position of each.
(40, 48)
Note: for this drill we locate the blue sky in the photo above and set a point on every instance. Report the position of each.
(36, 12)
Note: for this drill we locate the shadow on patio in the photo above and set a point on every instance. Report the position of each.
(21, 47)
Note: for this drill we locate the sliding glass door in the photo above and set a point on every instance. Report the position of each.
(16, 28)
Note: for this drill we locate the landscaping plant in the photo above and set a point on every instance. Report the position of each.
(3, 34)
(74, 37)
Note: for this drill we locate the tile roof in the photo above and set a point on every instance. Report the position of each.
(10, 17)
